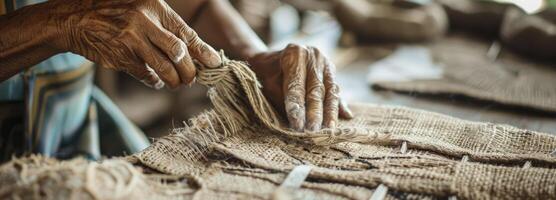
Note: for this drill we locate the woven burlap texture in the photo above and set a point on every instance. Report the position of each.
(241, 150)
(510, 80)
(431, 166)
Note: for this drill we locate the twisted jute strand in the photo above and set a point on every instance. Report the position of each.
(239, 102)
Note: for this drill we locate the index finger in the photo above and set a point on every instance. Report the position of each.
(197, 48)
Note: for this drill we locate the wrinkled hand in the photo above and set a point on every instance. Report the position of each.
(300, 82)
(144, 38)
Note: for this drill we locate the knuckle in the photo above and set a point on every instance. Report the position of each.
(334, 89)
(315, 95)
(316, 52)
(175, 44)
(162, 68)
(295, 48)
(295, 96)
(142, 74)
(295, 88)
(178, 49)
(316, 91)
(190, 34)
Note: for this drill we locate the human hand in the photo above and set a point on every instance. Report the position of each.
(300, 82)
(144, 38)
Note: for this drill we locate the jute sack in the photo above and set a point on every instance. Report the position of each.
(510, 80)
(241, 150)
(431, 166)
(37, 177)
(253, 163)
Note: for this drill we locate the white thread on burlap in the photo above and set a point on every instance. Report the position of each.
(382, 190)
(297, 176)
(294, 180)
(403, 149)
(527, 165)
(465, 158)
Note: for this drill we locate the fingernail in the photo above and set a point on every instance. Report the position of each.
(297, 126)
(159, 85)
(314, 127)
(332, 124)
(179, 56)
(350, 114)
(214, 59)
(295, 116)
(211, 57)
(191, 83)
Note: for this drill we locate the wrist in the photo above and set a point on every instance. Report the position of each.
(46, 31)
(59, 24)
(27, 31)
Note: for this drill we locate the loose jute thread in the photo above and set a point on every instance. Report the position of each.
(236, 95)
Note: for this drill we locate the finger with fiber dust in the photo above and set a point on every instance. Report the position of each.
(315, 90)
(332, 96)
(294, 64)
(198, 49)
(160, 63)
(175, 49)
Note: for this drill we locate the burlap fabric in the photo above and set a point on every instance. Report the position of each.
(239, 151)
(253, 163)
(467, 71)
(38, 177)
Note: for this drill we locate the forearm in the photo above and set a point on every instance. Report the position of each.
(24, 39)
(219, 24)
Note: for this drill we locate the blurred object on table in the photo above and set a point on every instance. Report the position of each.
(531, 34)
(463, 69)
(476, 16)
(399, 20)
(257, 14)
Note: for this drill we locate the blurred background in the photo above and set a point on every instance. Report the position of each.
(357, 35)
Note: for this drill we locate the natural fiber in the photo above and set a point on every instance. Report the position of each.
(468, 71)
(45, 178)
(258, 157)
(240, 150)
(238, 102)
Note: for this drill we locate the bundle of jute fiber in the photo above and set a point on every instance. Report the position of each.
(239, 102)
(37, 177)
(241, 150)
(468, 71)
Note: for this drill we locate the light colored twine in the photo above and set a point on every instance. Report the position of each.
(236, 95)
